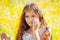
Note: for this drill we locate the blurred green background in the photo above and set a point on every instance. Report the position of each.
(11, 10)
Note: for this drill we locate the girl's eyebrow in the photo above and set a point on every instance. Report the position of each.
(32, 15)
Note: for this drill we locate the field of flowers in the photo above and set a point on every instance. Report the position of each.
(11, 10)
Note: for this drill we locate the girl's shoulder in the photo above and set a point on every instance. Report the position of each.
(46, 34)
(42, 30)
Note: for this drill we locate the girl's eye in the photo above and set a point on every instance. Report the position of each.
(33, 16)
(26, 16)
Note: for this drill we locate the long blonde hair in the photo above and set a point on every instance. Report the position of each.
(24, 25)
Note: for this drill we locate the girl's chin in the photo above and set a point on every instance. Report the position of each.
(30, 25)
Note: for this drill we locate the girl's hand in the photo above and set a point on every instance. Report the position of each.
(36, 24)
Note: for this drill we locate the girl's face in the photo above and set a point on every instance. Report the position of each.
(29, 17)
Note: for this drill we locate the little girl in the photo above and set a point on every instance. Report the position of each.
(33, 26)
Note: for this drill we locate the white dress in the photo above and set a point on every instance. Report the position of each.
(28, 36)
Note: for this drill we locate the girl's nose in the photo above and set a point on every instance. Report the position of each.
(32, 19)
